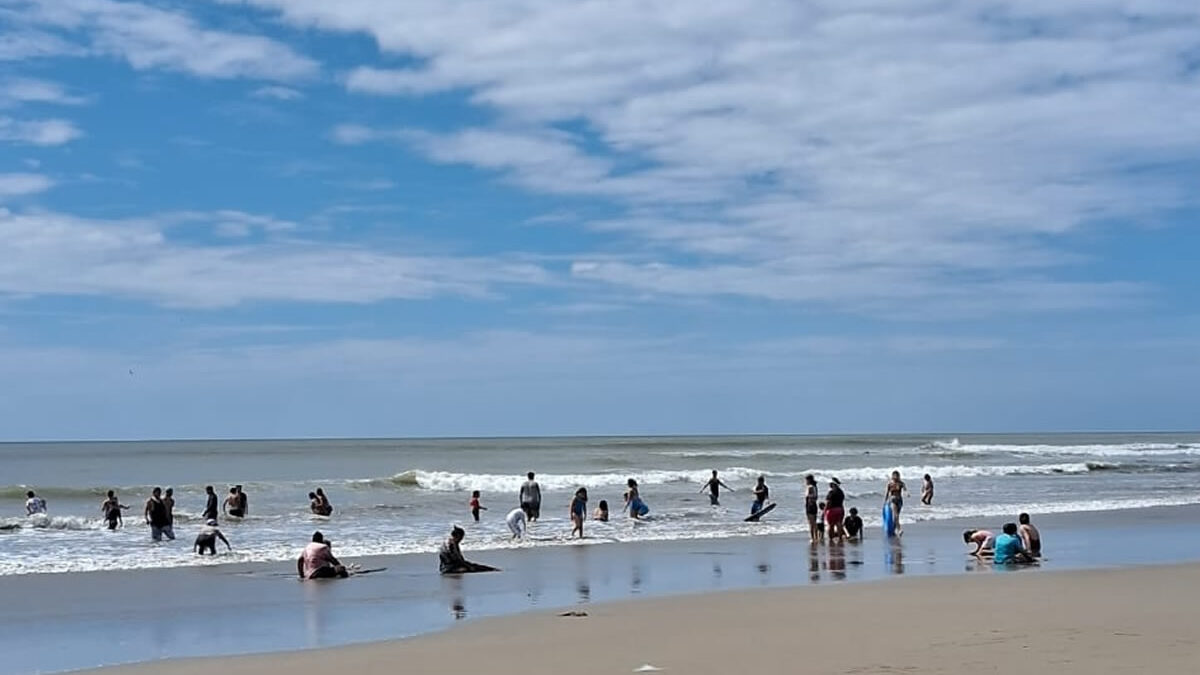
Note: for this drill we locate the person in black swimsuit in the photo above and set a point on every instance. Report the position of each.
(714, 485)
(210, 503)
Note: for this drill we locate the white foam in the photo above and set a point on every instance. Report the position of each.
(954, 447)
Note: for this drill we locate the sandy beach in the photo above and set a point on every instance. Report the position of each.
(1087, 622)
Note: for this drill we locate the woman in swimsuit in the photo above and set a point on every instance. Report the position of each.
(633, 501)
(810, 506)
(578, 509)
(893, 495)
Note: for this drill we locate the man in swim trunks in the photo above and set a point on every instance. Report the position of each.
(1009, 549)
(156, 516)
(1030, 537)
(112, 507)
(531, 498)
(210, 503)
(835, 510)
(451, 560)
(761, 494)
(233, 504)
(318, 562)
(207, 539)
(714, 485)
(34, 504)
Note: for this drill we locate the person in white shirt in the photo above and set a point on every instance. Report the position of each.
(516, 522)
(34, 504)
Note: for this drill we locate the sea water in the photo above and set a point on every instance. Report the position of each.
(402, 496)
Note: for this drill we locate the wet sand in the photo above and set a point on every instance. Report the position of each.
(105, 618)
(1078, 622)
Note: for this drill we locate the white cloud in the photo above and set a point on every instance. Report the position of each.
(61, 254)
(866, 152)
(277, 93)
(38, 132)
(148, 37)
(27, 90)
(18, 184)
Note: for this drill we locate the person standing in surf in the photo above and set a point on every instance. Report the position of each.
(210, 503)
(531, 498)
(927, 491)
(169, 502)
(714, 485)
(34, 505)
(810, 506)
(761, 494)
(893, 495)
(326, 507)
(835, 512)
(157, 517)
(112, 507)
(633, 500)
(578, 511)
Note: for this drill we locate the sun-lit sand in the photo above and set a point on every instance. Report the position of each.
(1029, 621)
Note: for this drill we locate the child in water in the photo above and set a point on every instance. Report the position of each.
(578, 511)
(927, 490)
(475, 507)
(821, 522)
(601, 513)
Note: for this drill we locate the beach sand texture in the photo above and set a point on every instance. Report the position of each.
(1030, 621)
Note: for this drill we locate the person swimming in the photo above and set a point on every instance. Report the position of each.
(601, 512)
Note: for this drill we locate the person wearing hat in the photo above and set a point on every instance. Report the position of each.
(207, 539)
(835, 510)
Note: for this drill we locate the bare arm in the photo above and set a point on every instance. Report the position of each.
(300, 567)
(722, 483)
(222, 538)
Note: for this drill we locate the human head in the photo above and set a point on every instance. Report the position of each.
(157, 492)
(821, 505)
(475, 494)
(895, 475)
(967, 534)
(1010, 528)
(457, 533)
(111, 494)
(928, 477)
(233, 490)
(810, 480)
(853, 511)
(170, 491)
(762, 479)
(318, 538)
(603, 504)
(631, 482)
(238, 488)
(581, 492)
(320, 492)
(312, 495)
(529, 475)
(714, 473)
(208, 489)
(834, 482)
(30, 494)
(1023, 518)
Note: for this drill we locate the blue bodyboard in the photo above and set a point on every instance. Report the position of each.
(889, 524)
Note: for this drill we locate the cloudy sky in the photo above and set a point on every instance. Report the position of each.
(458, 217)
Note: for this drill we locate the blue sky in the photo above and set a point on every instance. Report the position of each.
(374, 218)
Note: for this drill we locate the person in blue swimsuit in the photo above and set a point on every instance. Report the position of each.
(578, 511)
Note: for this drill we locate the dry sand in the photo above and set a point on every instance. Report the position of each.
(1032, 621)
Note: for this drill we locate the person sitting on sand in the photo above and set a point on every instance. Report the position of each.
(1030, 537)
(516, 521)
(985, 541)
(1009, 549)
(578, 511)
(853, 525)
(451, 560)
(207, 539)
(476, 507)
(34, 505)
(601, 512)
(318, 562)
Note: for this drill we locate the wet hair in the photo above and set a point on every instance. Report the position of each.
(320, 492)
(474, 493)
(208, 488)
(170, 491)
(853, 511)
(318, 537)
(581, 491)
(631, 482)
(928, 477)
(821, 505)
(967, 534)
(714, 472)
(112, 494)
(603, 504)
(1023, 518)
(156, 491)
(458, 532)
(529, 475)
(1010, 528)
(30, 494)
(233, 490)
(762, 479)
(810, 479)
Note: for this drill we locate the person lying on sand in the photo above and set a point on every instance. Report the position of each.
(451, 560)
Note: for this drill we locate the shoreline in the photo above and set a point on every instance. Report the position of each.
(107, 618)
(1103, 621)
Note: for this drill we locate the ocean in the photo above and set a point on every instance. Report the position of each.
(402, 496)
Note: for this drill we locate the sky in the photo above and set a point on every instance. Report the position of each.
(294, 218)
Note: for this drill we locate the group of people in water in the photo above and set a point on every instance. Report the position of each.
(827, 517)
